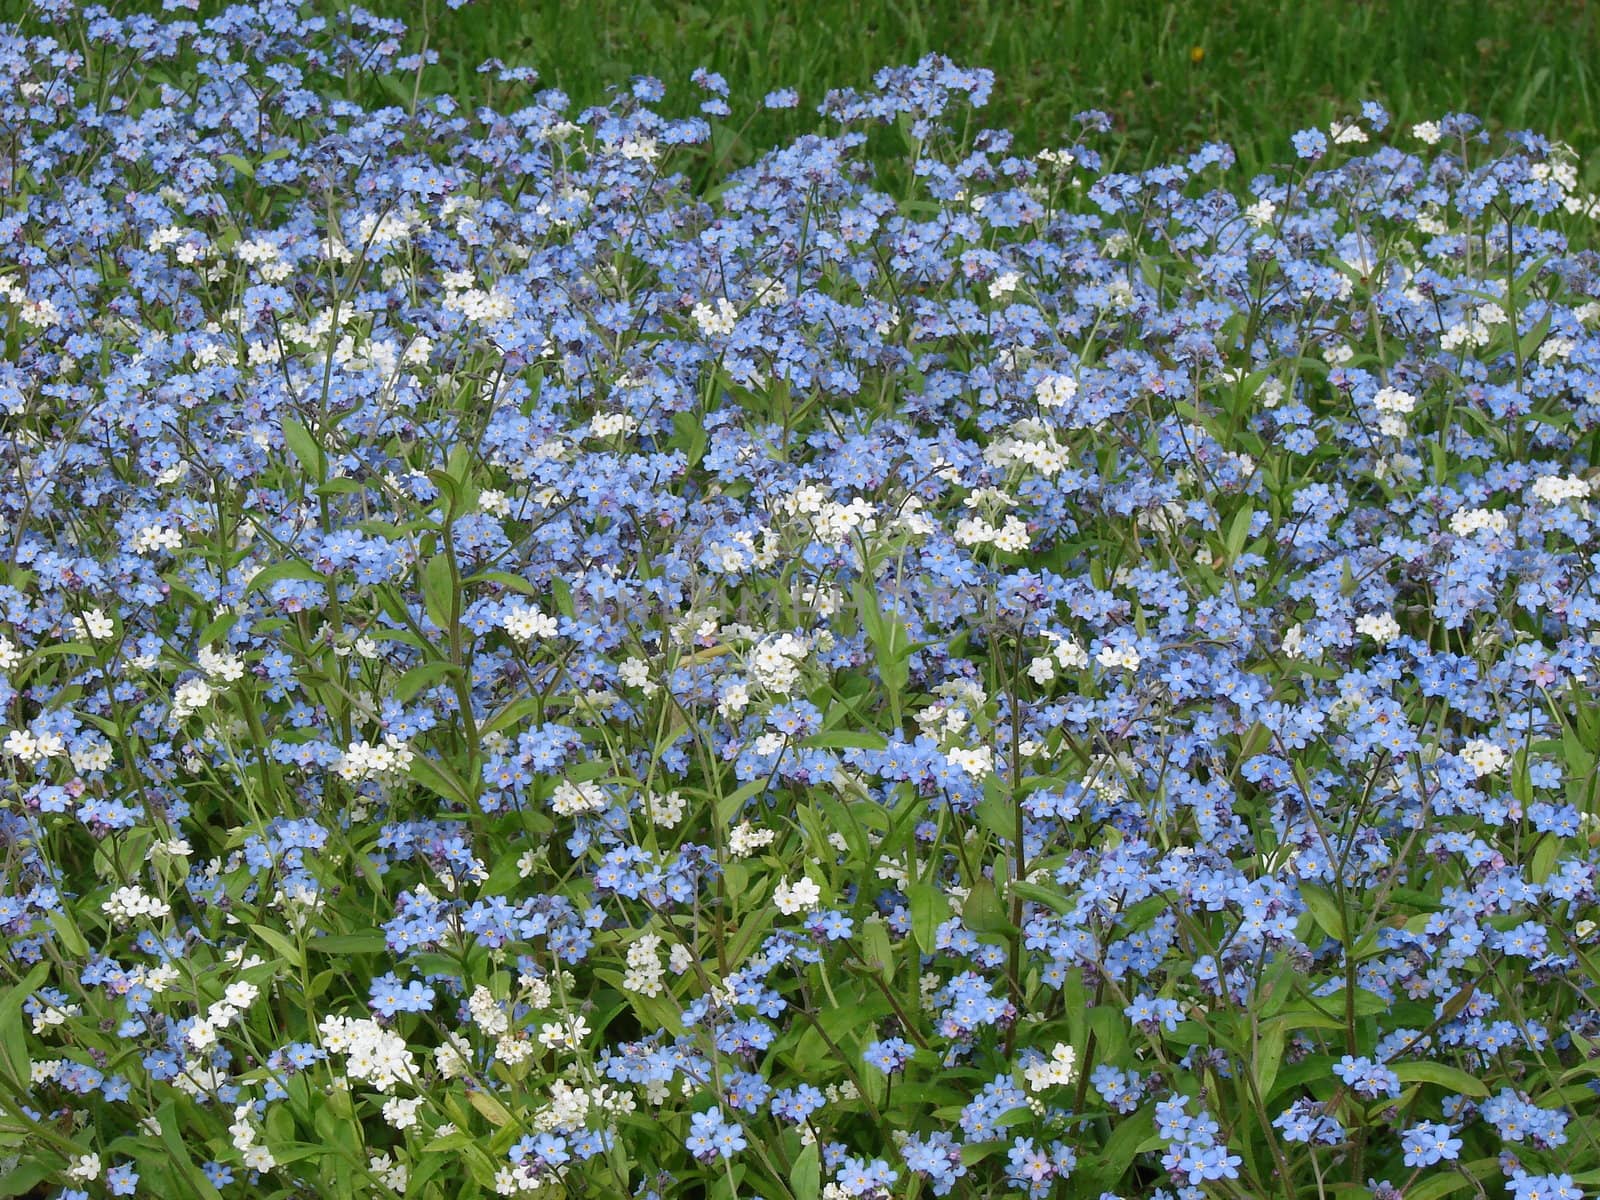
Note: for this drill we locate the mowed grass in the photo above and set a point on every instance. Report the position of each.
(1248, 72)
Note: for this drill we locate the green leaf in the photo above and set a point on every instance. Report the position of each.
(218, 629)
(413, 681)
(975, 1152)
(72, 939)
(1544, 858)
(690, 436)
(496, 1113)
(1239, 531)
(450, 489)
(1052, 898)
(844, 739)
(27, 1175)
(1443, 1183)
(561, 595)
(1124, 1143)
(930, 908)
(505, 579)
(279, 942)
(843, 819)
(438, 779)
(1110, 1027)
(305, 449)
(1268, 1056)
(805, 1180)
(1439, 1185)
(1452, 1078)
(876, 948)
(293, 569)
(341, 487)
(890, 643)
(1533, 338)
(371, 942)
(172, 1131)
(438, 591)
(1324, 909)
(997, 812)
(13, 1029)
(733, 803)
(982, 912)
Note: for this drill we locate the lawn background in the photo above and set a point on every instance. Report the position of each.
(1249, 72)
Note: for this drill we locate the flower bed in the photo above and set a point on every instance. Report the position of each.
(928, 667)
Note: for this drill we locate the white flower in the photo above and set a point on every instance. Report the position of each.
(746, 839)
(221, 665)
(1012, 536)
(1469, 521)
(1346, 133)
(152, 538)
(241, 994)
(1069, 653)
(716, 321)
(94, 625)
(524, 623)
(1294, 641)
(642, 148)
(21, 744)
(977, 762)
(635, 673)
(1053, 391)
(574, 799)
(644, 967)
(1003, 285)
(222, 1014)
(391, 1174)
(1380, 627)
(569, 1035)
(1113, 657)
(802, 896)
(1483, 756)
(190, 697)
(1426, 132)
(453, 1058)
(374, 1055)
(259, 1158)
(665, 809)
(401, 1113)
(1393, 400)
(390, 759)
(776, 662)
(606, 425)
(1558, 489)
(91, 756)
(487, 1012)
(51, 1015)
(127, 903)
(1056, 1070)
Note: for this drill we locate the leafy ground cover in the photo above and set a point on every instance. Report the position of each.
(537, 661)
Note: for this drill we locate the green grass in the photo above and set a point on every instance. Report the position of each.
(1246, 71)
